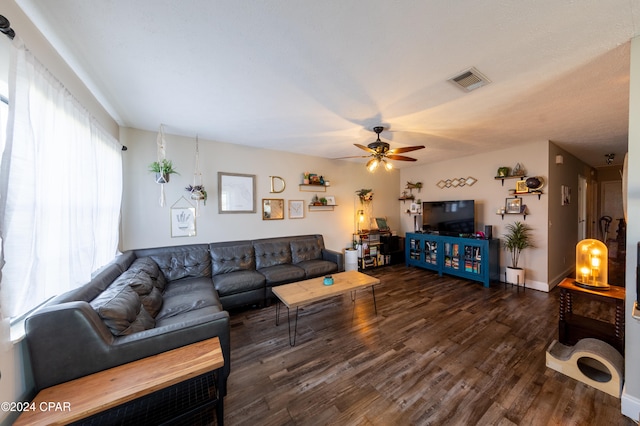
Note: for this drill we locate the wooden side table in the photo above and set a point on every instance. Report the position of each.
(572, 327)
(110, 389)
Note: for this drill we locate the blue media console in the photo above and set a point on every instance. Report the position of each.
(469, 258)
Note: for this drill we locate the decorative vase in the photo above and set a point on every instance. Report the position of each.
(162, 178)
(305, 181)
(197, 195)
(515, 275)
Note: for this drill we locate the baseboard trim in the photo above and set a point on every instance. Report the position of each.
(534, 285)
(629, 405)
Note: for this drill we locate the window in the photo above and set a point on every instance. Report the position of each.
(61, 186)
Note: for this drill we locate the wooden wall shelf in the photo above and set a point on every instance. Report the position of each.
(325, 208)
(312, 188)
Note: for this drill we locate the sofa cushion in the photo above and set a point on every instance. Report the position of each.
(179, 262)
(238, 282)
(149, 266)
(139, 281)
(271, 253)
(152, 302)
(143, 321)
(232, 258)
(281, 274)
(317, 268)
(306, 249)
(119, 307)
(186, 295)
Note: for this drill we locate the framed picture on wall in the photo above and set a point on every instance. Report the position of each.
(566, 195)
(521, 186)
(183, 222)
(272, 208)
(296, 209)
(236, 193)
(513, 205)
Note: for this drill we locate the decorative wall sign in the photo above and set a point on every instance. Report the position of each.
(277, 184)
(456, 182)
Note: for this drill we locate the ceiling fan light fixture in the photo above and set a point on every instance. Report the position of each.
(380, 152)
(372, 165)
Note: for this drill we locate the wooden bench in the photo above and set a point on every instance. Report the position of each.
(110, 389)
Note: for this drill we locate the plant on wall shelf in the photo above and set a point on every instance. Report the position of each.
(365, 195)
(163, 170)
(197, 193)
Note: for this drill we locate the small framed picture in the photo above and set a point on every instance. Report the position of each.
(272, 208)
(566, 195)
(513, 205)
(521, 186)
(183, 222)
(415, 208)
(331, 200)
(296, 209)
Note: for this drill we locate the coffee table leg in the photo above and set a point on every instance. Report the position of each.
(278, 312)
(295, 327)
(373, 292)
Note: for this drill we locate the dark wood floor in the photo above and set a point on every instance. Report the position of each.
(440, 351)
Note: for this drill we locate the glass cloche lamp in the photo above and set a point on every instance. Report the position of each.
(591, 265)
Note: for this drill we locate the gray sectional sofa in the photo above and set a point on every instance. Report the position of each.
(153, 300)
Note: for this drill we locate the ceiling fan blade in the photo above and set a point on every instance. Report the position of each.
(405, 149)
(366, 148)
(400, 158)
(353, 156)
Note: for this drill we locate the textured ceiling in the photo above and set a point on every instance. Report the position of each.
(315, 77)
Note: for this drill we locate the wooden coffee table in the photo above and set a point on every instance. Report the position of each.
(305, 292)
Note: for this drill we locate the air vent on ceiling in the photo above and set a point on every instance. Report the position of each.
(470, 79)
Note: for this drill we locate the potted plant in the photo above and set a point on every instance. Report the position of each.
(197, 192)
(517, 238)
(163, 170)
(323, 201)
(365, 195)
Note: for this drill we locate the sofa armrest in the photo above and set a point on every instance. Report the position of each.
(69, 340)
(64, 341)
(335, 257)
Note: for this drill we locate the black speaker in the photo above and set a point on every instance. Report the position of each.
(488, 232)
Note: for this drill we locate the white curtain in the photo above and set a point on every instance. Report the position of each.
(61, 190)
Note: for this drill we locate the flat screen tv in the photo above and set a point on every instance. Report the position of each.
(455, 218)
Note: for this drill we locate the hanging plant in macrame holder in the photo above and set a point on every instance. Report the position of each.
(197, 190)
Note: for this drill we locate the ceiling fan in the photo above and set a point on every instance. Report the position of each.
(380, 152)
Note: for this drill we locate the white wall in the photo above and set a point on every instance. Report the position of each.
(489, 195)
(563, 219)
(146, 224)
(631, 393)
